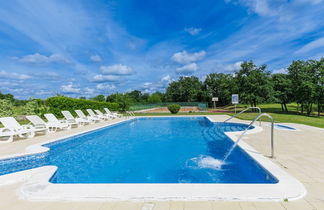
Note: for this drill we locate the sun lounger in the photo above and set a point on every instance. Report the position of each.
(62, 123)
(70, 119)
(12, 128)
(107, 116)
(92, 114)
(89, 118)
(112, 113)
(40, 123)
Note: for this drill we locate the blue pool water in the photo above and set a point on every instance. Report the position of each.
(148, 150)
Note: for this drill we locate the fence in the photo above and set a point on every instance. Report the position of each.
(201, 105)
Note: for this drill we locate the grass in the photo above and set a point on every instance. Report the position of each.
(273, 109)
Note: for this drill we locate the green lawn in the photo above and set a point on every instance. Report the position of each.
(273, 109)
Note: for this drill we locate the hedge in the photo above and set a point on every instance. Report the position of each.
(59, 103)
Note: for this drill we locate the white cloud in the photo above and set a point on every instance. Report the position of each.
(273, 7)
(233, 67)
(186, 69)
(117, 69)
(89, 91)
(147, 84)
(70, 88)
(280, 71)
(311, 46)
(166, 78)
(193, 31)
(43, 59)
(95, 58)
(13, 75)
(185, 58)
(105, 87)
(106, 78)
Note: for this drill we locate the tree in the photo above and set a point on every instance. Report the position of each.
(186, 89)
(124, 100)
(101, 98)
(6, 108)
(319, 85)
(35, 106)
(304, 78)
(219, 85)
(254, 84)
(135, 95)
(155, 98)
(282, 87)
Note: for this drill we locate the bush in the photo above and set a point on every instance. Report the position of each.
(59, 103)
(6, 108)
(35, 106)
(174, 108)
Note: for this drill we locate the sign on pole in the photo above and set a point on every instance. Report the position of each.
(235, 99)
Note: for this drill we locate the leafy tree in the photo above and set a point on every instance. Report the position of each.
(100, 98)
(135, 95)
(186, 89)
(155, 98)
(319, 85)
(35, 106)
(144, 97)
(282, 87)
(6, 108)
(254, 84)
(303, 75)
(219, 85)
(124, 100)
(8, 96)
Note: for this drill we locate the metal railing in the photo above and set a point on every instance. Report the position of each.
(242, 134)
(258, 108)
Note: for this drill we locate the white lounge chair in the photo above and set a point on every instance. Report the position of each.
(92, 114)
(62, 124)
(12, 128)
(112, 113)
(89, 118)
(69, 117)
(9, 134)
(106, 116)
(40, 123)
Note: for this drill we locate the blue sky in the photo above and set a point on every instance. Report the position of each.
(85, 48)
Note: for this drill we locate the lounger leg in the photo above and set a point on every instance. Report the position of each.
(31, 134)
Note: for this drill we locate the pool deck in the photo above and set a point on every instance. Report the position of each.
(300, 153)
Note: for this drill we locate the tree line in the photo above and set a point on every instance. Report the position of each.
(303, 83)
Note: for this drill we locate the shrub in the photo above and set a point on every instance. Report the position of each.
(174, 108)
(6, 108)
(59, 103)
(35, 106)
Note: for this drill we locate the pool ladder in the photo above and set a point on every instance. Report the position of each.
(258, 108)
(244, 132)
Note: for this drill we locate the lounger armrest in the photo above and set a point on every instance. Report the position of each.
(28, 127)
(3, 130)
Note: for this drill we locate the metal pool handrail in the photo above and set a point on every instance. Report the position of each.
(252, 122)
(243, 112)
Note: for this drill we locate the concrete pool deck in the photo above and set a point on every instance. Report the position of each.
(300, 153)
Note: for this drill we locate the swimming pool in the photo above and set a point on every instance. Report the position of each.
(151, 158)
(155, 150)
